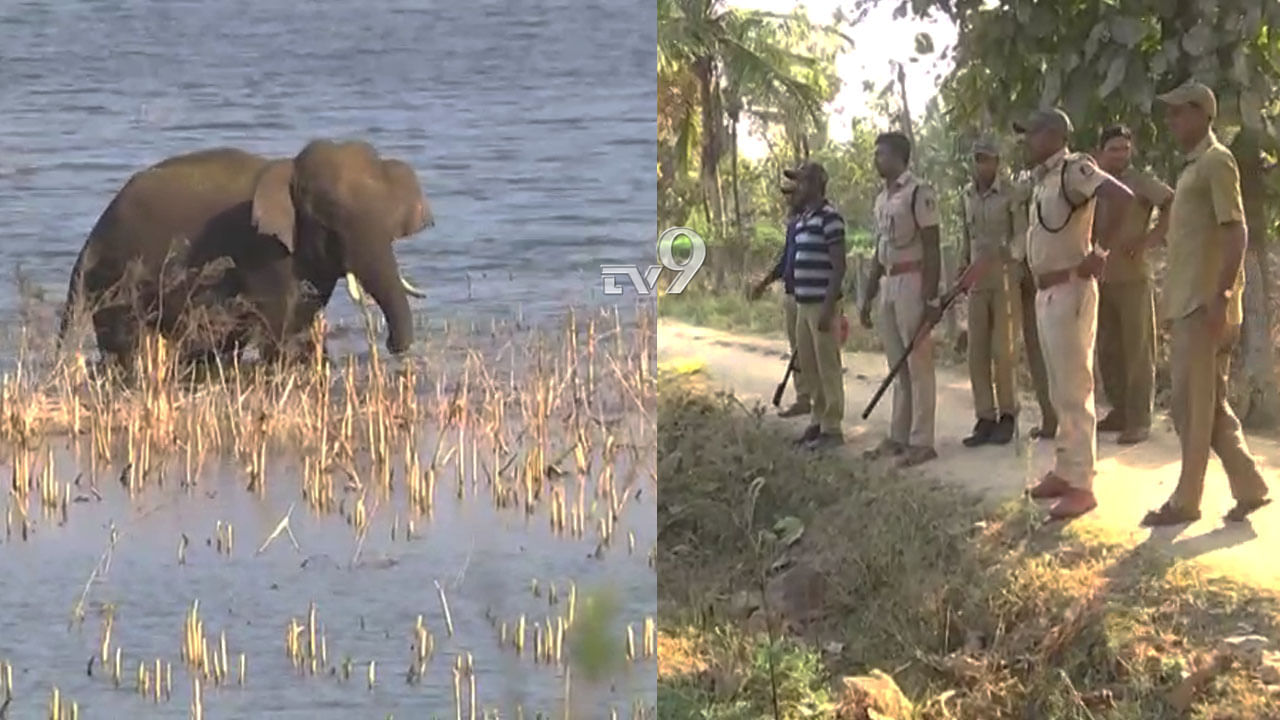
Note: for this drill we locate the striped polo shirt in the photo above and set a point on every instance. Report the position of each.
(817, 230)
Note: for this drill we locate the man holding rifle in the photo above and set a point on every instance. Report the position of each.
(907, 254)
(1065, 266)
(784, 270)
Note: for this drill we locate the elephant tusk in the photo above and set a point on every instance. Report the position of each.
(409, 288)
(354, 290)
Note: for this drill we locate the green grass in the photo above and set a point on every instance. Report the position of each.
(1059, 626)
(731, 312)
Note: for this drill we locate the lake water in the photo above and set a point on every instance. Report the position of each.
(530, 124)
(531, 127)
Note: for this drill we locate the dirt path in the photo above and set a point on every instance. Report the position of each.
(1131, 480)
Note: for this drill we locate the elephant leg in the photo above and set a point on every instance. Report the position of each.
(118, 333)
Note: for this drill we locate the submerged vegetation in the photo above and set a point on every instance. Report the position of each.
(553, 429)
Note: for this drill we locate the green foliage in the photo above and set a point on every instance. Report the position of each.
(976, 614)
(1106, 62)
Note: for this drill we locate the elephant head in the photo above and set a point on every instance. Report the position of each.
(341, 206)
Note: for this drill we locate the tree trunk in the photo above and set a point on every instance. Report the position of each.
(737, 198)
(905, 113)
(704, 68)
(1260, 404)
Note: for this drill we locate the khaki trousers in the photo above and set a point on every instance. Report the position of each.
(818, 357)
(800, 381)
(1126, 349)
(1203, 418)
(915, 387)
(1031, 344)
(991, 347)
(1067, 319)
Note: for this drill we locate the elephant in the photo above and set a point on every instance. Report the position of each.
(220, 249)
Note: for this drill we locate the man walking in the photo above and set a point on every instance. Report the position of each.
(994, 227)
(784, 270)
(1207, 239)
(818, 271)
(1065, 271)
(907, 254)
(1126, 299)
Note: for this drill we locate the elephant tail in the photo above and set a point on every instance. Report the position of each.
(75, 297)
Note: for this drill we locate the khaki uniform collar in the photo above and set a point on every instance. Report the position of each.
(997, 186)
(1050, 164)
(1200, 149)
(906, 178)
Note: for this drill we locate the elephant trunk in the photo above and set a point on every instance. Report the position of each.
(374, 265)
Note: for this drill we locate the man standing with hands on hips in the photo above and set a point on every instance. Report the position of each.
(907, 253)
(1065, 269)
(1207, 239)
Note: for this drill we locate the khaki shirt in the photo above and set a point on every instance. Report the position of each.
(1058, 246)
(1207, 195)
(995, 222)
(1148, 193)
(898, 224)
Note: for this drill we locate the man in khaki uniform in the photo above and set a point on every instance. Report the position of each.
(1126, 299)
(1207, 239)
(1065, 269)
(907, 253)
(995, 225)
(1026, 296)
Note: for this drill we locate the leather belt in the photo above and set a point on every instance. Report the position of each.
(905, 267)
(1047, 280)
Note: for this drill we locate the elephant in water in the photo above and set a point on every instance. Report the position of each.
(220, 248)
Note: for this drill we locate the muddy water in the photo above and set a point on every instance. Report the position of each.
(367, 602)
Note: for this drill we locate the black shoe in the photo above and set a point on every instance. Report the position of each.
(811, 433)
(1113, 422)
(1243, 508)
(1169, 515)
(826, 441)
(981, 433)
(1002, 431)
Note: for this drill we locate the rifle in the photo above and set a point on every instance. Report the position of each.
(843, 321)
(962, 285)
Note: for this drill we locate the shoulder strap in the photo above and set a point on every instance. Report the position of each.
(1062, 187)
(914, 193)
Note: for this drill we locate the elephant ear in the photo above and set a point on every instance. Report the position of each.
(273, 211)
(415, 215)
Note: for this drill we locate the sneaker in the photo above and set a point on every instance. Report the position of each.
(796, 409)
(810, 433)
(825, 441)
(1002, 432)
(981, 433)
(1111, 423)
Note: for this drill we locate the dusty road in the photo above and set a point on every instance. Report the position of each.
(1131, 480)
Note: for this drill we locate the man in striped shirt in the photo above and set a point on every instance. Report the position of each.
(818, 273)
(782, 270)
